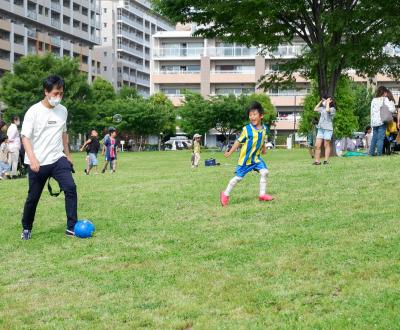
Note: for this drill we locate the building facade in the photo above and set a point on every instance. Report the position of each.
(181, 61)
(127, 27)
(62, 27)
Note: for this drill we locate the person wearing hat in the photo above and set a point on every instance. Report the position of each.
(110, 150)
(196, 150)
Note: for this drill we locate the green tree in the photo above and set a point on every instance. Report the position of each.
(339, 35)
(363, 96)
(228, 113)
(195, 114)
(127, 92)
(23, 87)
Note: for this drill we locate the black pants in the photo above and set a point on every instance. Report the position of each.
(61, 172)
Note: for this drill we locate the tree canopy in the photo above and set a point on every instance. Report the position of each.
(339, 35)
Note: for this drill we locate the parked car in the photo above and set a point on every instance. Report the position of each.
(178, 143)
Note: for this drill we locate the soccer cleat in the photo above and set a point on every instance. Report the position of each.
(224, 199)
(26, 234)
(69, 233)
(265, 198)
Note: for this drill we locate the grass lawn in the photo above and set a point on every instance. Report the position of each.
(323, 255)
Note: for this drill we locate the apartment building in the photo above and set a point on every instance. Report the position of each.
(181, 61)
(62, 27)
(127, 27)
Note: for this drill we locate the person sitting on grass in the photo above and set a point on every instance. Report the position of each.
(92, 146)
(326, 108)
(252, 140)
(5, 167)
(110, 145)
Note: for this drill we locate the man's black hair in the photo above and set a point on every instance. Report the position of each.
(255, 106)
(53, 81)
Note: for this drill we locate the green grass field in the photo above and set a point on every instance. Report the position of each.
(323, 255)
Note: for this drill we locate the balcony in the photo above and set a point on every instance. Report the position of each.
(178, 52)
(225, 76)
(131, 36)
(233, 91)
(287, 51)
(55, 6)
(55, 23)
(232, 52)
(32, 14)
(55, 41)
(143, 82)
(31, 33)
(131, 50)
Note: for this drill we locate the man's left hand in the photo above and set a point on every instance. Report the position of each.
(70, 159)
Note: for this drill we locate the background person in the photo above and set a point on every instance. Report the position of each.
(4, 166)
(378, 126)
(196, 150)
(326, 108)
(14, 145)
(92, 145)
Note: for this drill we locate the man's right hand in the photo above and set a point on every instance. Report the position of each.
(227, 154)
(34, 165)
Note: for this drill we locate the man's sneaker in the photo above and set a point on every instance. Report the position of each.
(265, 198)
(224, 199)
(26, 234)
(69, 233)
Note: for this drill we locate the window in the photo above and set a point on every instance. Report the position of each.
(105, 54)
(105, 39)
(105, 68)
(105, 25)
(105, 10)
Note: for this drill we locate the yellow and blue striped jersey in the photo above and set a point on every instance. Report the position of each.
(252, 140)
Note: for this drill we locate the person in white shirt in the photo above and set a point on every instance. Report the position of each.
(14, 145)
(45, 139)
(379, 127)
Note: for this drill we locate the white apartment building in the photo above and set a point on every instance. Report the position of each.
(62, 27)
(181, 62)
(127, 27)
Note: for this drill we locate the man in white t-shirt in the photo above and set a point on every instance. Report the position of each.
(45, 139)
(14, 145)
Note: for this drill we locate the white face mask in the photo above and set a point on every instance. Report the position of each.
(54, 101)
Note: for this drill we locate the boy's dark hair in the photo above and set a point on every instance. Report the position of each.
(53, 81)
(367, 129)
(255, 106)
(14, 118)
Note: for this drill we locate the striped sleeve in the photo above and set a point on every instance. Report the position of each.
(243, 136)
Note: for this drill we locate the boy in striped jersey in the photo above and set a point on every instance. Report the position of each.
(252, 140)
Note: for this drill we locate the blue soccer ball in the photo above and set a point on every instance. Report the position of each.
(84, 229)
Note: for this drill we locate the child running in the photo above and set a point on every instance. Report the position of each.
(252, 140)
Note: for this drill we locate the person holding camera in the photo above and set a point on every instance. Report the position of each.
(326, 108)
(45, 139)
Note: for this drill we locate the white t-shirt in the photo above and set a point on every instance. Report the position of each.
(14, 141)
(44, 128)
